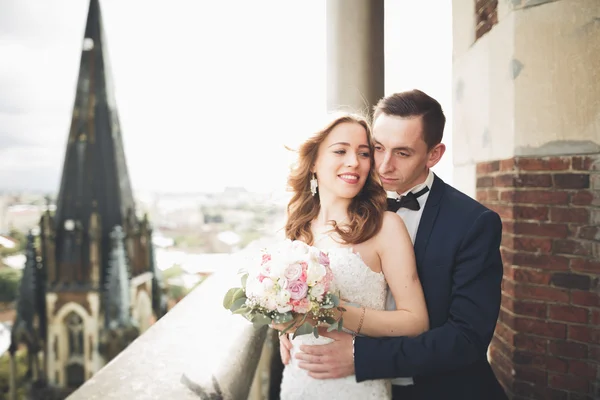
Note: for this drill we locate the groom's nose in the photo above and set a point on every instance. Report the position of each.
(385, 163)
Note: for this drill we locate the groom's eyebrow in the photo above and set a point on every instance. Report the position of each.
(348, 144)
(399, 148)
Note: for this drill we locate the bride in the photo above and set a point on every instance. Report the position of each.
(338, 206)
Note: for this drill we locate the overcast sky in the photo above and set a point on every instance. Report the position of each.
(208, 92)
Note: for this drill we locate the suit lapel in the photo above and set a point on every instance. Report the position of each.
(430, 212)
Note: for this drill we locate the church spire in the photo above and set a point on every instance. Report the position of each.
(95, 185)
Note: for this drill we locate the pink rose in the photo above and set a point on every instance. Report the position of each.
(323, 259)
(293, 272)
(265, 258)
(298, 290)
(301, 306)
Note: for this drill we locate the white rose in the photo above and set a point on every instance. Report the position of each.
(315, 272)
(283, 297)
(317, 292)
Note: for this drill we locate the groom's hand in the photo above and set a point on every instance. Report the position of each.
(328, 361)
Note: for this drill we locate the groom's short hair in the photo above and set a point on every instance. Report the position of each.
(412, 104)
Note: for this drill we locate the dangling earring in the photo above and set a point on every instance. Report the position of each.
(313, 184)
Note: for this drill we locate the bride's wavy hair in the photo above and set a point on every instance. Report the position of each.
(365, 211)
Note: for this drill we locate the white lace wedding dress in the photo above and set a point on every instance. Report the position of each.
(358, 284)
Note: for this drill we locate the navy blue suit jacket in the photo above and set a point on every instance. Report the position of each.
(457, 250)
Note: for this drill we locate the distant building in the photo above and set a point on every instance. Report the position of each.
(90, 284)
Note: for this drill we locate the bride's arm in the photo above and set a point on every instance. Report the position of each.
(396, 252)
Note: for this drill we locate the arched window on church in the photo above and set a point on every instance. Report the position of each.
(76, 357)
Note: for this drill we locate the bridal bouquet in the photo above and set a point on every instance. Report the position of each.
(288, 284)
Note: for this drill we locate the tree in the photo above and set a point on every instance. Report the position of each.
(9, 284)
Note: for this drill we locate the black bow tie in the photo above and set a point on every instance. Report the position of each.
(407, 201)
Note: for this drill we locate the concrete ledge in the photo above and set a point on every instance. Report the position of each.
(197, 350)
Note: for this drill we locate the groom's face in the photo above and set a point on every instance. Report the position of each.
(401, 155)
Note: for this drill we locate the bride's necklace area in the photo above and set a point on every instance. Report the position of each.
(327, 233)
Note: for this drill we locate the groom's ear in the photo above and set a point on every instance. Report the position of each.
(435, 155)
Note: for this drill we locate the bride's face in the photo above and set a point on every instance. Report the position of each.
(343, 161)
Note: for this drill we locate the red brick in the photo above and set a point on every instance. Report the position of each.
(526, 275)
(595, 317)
(588, 232)
(569, 314)
(571, 281)
(541, 328)
(582, 163)
(583, 265)
(585, 334)
(532, 344)
(507, 227)
(532, 244)
(482, 195)
(595, 353)
(544, 164)
(505, 212)
(508, 287)
(485, 168)
(578, 215)
(568, 382)
(505, 180)
(542, 261)
(528, 309)
(507, 242)
(587, 299)
(556, 364)
(562, 348)
(504, 332)
(582, 198)
(532, 375)
(571, 247)
(534, 181)
(507, 165)
(485, 182)
(540, 197)
(508, 272)
(583, 369)
(507, 256)
(571, 181)
(541, 229)
(527, 292)
(528, 212)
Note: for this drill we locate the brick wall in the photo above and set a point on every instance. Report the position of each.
(547, 340)
(486, 16)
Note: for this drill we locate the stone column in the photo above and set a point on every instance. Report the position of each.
(527, 145)
(355, 60)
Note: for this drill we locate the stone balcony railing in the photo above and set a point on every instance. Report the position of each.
(197, 351)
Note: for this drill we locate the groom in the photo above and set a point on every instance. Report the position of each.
(456, 243)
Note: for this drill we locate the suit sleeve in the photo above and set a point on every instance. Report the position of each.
(474, 309)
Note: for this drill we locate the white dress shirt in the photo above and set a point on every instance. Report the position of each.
(411, 219)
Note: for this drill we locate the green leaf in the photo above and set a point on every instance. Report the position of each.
(244, 279)
(340, 324)
(290, 326)
(330, 320)
(239, 294)
(333, 326)
(237, 304)
(260, 320)
(241, 310)
(335, 300)
(282, 318)
(228, 299)
(305, 329)
(316, 332)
